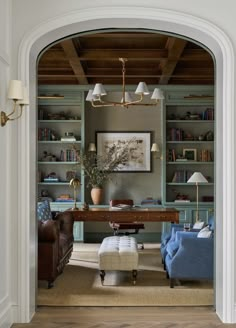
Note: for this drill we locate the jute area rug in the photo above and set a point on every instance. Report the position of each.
(80, 284)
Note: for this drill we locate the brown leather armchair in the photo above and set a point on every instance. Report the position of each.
(55, 245)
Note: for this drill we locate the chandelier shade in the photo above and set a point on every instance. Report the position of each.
(95, 95)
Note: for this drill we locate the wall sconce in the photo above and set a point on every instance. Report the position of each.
(18, 94)
(155, 150)
(92, 147)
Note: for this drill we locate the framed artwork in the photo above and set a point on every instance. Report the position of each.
(139, 148)
(190, 154)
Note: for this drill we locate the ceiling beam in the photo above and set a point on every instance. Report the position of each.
(175, 49)
(74, 61)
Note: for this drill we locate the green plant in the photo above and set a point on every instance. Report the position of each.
(97, 169)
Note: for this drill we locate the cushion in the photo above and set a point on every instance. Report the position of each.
(172, 248)
(44, 211)
(198, 225)
(204, 233)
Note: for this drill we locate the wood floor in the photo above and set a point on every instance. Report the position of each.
(124, 317)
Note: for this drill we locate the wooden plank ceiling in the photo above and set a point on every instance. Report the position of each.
(153, 58)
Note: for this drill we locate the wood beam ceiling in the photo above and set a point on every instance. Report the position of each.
(155, 58)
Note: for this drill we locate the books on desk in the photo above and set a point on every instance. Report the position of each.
(121, 207)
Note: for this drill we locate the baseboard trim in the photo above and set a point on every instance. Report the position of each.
(6, 317)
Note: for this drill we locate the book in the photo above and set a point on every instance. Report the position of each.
(121, 207)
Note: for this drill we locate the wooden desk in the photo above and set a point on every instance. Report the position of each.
(137, 214)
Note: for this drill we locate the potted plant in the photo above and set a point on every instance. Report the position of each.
(97, 169)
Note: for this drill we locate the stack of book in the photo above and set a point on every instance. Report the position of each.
(181, 176)
(68, 139)
(205, 155)
(64, 198)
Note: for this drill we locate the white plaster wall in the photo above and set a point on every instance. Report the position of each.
(26, 16)
(7, 194)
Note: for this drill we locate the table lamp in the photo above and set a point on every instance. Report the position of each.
(197, 178)
(75, 183)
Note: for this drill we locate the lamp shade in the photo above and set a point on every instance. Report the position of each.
(90, 96)
(157, 94)
(128, 97)
(155, 148)
(99, 90)
(142, 89)
(25, 100)
(15, 90)
(92, 147)
(197, 177)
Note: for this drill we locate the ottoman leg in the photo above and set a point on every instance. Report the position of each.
(102, 275)
(134, 274)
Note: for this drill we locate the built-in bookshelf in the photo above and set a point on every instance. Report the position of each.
(189, 146)
(60, 140)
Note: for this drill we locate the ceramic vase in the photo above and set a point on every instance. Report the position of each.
(96, 195)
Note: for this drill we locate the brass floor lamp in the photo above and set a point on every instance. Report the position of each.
(197, 178)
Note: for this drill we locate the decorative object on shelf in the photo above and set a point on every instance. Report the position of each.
(92, 147)
(75, 183)
(209, 136)
(95, 95)
(155, 150)
(18, 94)
(190, 154)
(197, 178)
(138, 145)
(48, 157)
(70, 175)
(85, 207)
(51, 177)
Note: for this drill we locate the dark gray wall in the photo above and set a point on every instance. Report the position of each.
(136, 186)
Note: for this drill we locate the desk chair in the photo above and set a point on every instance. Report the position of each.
(125, 228)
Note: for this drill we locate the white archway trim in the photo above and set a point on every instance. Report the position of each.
(162, 20)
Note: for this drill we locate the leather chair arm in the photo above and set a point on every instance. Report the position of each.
(48, 231)
(66, 222)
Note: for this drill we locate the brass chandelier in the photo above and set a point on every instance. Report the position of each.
(95, 95)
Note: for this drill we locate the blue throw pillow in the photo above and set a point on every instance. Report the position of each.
(44, 211)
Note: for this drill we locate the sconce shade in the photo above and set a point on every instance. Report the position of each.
(128, 97)
(157, 94)
(196, 178)
(142, 89)
(15, 90)
(99, 90)
(25, 100)
(155, 148)
(92, 147)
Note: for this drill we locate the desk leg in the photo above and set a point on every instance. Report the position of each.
(134, 274)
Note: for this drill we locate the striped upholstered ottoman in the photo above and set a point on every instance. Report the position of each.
(118, 253)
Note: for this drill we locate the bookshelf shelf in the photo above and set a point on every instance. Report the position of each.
(188, 184)
(59, 121)
(190, 121)
(190, 163)
(57, 163)
(190, 142)
(58, 142)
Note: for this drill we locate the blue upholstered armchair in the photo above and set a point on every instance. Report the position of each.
(189, 257)
(168, 237)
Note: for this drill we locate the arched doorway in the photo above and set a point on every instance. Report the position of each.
(192, 27)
